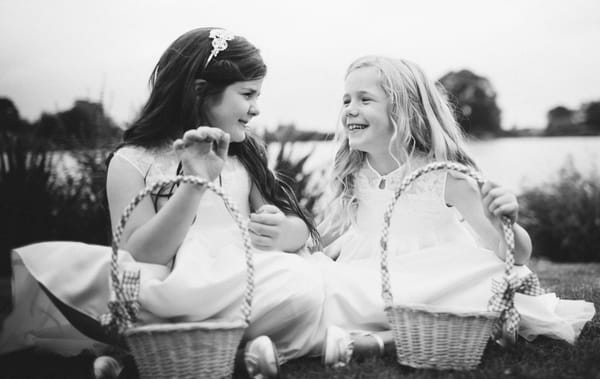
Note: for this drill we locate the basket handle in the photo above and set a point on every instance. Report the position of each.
(121, 312)
(507, 229)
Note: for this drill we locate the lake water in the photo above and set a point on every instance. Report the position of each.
(517, 163)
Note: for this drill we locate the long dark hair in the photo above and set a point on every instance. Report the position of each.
(180, 83)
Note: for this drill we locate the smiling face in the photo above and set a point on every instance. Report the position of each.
(366, 112)
(236, 106)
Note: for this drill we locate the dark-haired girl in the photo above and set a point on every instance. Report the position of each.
(204, 92)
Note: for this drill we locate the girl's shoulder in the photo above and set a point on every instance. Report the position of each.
(431, 184)
(143, 159)
(460, 187)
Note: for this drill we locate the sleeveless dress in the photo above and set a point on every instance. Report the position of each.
(435, 259)
(206, 280)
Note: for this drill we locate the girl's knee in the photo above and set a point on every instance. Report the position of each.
(307, 284)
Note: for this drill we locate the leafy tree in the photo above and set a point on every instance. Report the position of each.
(474, 99)
(84, 126)
(10, 120)
(592, 115)
(560, 121)
(50, 128)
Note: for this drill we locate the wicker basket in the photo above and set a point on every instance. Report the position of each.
(430, 337)
(180, 350)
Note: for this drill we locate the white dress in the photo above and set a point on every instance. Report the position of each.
(434, 259)
(207, 280)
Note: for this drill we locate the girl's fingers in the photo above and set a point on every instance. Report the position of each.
(492, 194)
(502, 200)
(262, 229)
(178, 145)
(261, 242)
(223, 145)
(508, 210)
(267, 218)
(268, 208)
(205, 135)
(192, 137)
(214, 134)
(487, 187)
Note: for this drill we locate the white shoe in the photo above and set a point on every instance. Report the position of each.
(261, 359)
(338, 347)
(106, 367)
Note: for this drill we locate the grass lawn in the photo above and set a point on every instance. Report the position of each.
(542, 358)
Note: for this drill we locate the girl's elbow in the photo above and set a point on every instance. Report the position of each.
(147, 254)
(525, 246)
(522, 258)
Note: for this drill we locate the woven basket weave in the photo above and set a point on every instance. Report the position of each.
(430, 337)
(185, 350)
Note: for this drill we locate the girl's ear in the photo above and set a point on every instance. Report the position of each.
(200, 91)
(200, 87)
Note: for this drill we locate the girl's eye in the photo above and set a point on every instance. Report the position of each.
(366, 100)
(346, 101)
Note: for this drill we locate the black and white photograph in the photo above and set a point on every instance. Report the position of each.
(299, 189)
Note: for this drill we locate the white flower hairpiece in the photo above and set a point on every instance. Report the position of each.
(219, 42)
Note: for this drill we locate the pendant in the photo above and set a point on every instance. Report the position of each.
(382, 183)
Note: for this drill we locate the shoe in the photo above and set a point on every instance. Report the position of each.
(261, 358)
(338, 347)
(106, 367)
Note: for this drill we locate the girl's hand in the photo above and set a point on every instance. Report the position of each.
(202, 151)
(266, 226)
(499, 201)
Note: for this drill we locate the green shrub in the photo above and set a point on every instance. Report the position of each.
(26, 188)
(80, 201)
(306, 185)
(563, 217)
(41, 202)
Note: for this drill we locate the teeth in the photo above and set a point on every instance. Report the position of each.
(356, 126)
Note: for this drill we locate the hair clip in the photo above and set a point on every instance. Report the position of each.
(219, 42)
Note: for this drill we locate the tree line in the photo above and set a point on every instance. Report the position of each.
(472, 96)
(84, 126)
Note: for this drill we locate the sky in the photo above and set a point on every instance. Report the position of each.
(537, 53)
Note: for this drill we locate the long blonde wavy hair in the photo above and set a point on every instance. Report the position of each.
(423, 123)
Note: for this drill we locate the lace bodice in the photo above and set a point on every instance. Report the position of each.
(431, 185)
(424, 197)
(160, 163)
(420, 218)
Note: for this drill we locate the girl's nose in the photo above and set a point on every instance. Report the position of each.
(351, 111)
(253, 110)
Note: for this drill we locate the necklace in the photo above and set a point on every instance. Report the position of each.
(383, 179)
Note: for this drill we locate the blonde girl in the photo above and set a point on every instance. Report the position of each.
(445, 241)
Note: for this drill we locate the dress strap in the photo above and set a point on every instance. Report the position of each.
(119, 154)
(138, 157)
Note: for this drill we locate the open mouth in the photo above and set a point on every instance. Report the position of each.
(352, 127)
